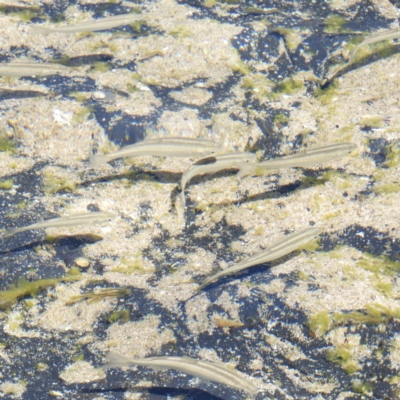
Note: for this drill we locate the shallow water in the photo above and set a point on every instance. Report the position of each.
(267, 77)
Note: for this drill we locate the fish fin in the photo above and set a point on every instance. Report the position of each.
(97, 160)
(116, 361)
(40, 30)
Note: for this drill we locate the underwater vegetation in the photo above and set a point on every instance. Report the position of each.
(257, 104)
(25, 288)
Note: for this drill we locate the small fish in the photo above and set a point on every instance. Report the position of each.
(279, 249)
(312, 156)
(71, 220)
(90, 26)
(228, 323)
(100, 295)
(164, 147)
(201, 369)
(211, 165)
(377, 37)
(25, 68)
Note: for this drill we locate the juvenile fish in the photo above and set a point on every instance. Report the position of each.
(279, 249)
(201, 369)
(90, 26)
(25, 68)
(164, 147)
(312, 156)
(71, 220)
(377, 37)
(212, 164)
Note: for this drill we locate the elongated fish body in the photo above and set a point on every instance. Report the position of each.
(90, 26)
(71, 220)
(375, 38)
(22, 68)
(279, 249)
(213, 164)
(201, 369)
(164, 147)
(310, 157)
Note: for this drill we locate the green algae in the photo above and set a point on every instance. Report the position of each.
(334, 24)
(210, 3)
(393, 155)
(292, 37)
(25, 288)
(344, 358)
(180, 32)
(121, 316)
(80, 96)
(82, 115)
(53, 184)
(22, 205)
(326, 95)
(281, 119)
(26, 15)
(310, 181)
(387, 188)
(379, 265)
(78, 357)
(131, 264)
(6, 184)
(380, 50)
(7, 145)
(374, 314)
(372, 122)
(240, 67)
(301, 276)
(361, 387)
(41, 367)
(385, 288)
(289, 86)
(100, 66)
(138, 26)
(103, 45)
(311, 246)
(320, 323)
(331, 215)
(259, 86)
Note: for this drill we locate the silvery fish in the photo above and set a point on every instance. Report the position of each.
(201, 369)
(279, 249)
(310, 157)
(71, 220)
(26, 68)
(214, 164)
(164, 147)
(377, 37)
(90, 26)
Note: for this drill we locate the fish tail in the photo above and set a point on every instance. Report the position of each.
(353, 54)
(97, 160)
(116, 361)
(40, 30)
(13, 230)
(244, 171)
(182, 197)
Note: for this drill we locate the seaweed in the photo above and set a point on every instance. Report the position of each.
(25, 288)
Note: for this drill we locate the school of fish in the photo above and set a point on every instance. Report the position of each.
(215, 160)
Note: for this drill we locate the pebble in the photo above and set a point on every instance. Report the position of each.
(82, 262)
